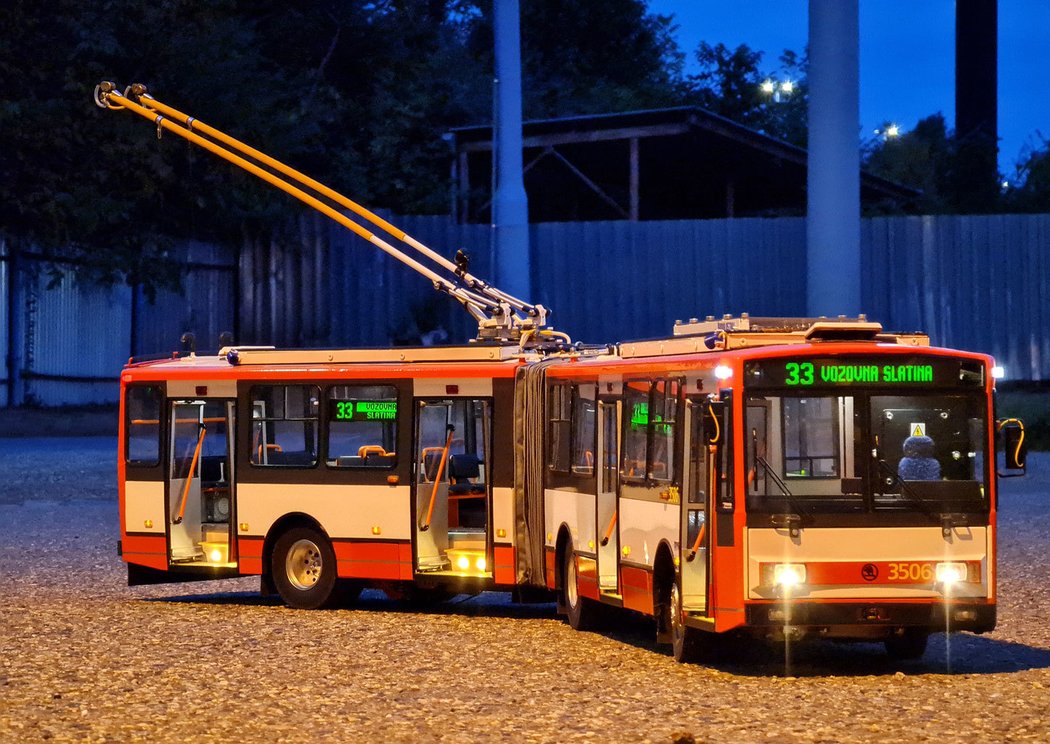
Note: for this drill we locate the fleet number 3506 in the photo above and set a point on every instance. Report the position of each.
(910, 572)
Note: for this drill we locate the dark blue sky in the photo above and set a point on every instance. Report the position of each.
(907, 56)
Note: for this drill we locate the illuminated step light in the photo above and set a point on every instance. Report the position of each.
(215, 552)
(467, 560)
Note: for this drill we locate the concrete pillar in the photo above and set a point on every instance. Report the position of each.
(510, 210)
(976, 177)
(833, 186)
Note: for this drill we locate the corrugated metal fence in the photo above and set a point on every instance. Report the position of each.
(64, 341)
(970, 282)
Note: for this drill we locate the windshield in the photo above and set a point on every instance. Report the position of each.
(862, 452)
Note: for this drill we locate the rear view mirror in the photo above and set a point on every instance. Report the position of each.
(1015, 447)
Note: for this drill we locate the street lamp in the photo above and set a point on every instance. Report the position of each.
(778, 89)
(889, 131)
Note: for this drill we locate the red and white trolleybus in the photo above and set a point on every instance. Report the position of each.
(757, 476)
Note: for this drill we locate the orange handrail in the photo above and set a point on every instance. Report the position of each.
(609, 529)
(437, 480)
(696, 543)
(189, 476)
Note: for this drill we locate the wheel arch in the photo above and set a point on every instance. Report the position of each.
(561, 546)
(664, 575)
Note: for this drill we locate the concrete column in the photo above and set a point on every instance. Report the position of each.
(976, 177)
(833, 187)
(510, 210)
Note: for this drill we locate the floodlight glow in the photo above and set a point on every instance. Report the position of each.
(722, 372)
(787, 87)
(998, 372)
(768, 86)
(893, 130)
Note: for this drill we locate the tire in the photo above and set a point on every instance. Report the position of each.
(911, 644)
(303, 569)
(687, 644)
(581, 611)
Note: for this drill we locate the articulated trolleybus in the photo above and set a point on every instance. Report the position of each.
(766, 477)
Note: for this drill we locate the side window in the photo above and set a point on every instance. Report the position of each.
(285, 425)
(650, 419)
(584, 421)
(663, 421)
(142, 425)
(362, 426)
(558, 427)
(635, 429)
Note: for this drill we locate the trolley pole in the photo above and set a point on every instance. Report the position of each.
(510, 211)
(833, 184)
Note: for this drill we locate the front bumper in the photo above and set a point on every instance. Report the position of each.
(869, 618)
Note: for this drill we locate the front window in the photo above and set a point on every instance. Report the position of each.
(822, 452)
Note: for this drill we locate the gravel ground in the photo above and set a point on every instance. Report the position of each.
(83, 657)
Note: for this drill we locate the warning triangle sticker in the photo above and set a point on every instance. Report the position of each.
(918, 430)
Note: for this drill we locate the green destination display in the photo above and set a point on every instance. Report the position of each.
(885, 371)
(364, 410)
(640, 417)
(806, 373)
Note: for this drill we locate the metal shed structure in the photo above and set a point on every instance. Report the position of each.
(662, 164)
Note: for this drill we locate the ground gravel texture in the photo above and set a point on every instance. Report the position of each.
(85, 658)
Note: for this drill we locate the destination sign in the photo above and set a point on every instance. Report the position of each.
(895, 371)
(364, 410)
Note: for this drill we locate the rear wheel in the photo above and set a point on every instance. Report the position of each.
(581, 611)
(910, 644)
(303, 569)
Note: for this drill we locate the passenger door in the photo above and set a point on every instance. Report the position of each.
(200, 481)
(696, 506)
(608, 489)
(452, 492)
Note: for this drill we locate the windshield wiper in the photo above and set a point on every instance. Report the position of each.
(791, 521)
(906, 489)
(948, 520)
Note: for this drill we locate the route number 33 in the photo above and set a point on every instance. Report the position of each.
(799, 373)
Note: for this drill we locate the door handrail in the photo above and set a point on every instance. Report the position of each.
(437, 479)
(609, 529)
(696, 543)
(189, 476)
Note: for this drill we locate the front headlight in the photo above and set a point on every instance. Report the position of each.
(950, 573)
(789, 574)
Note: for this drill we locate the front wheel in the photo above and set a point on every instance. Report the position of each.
(303, 569)
(687, 643)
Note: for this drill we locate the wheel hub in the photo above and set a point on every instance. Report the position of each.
(304, 564)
